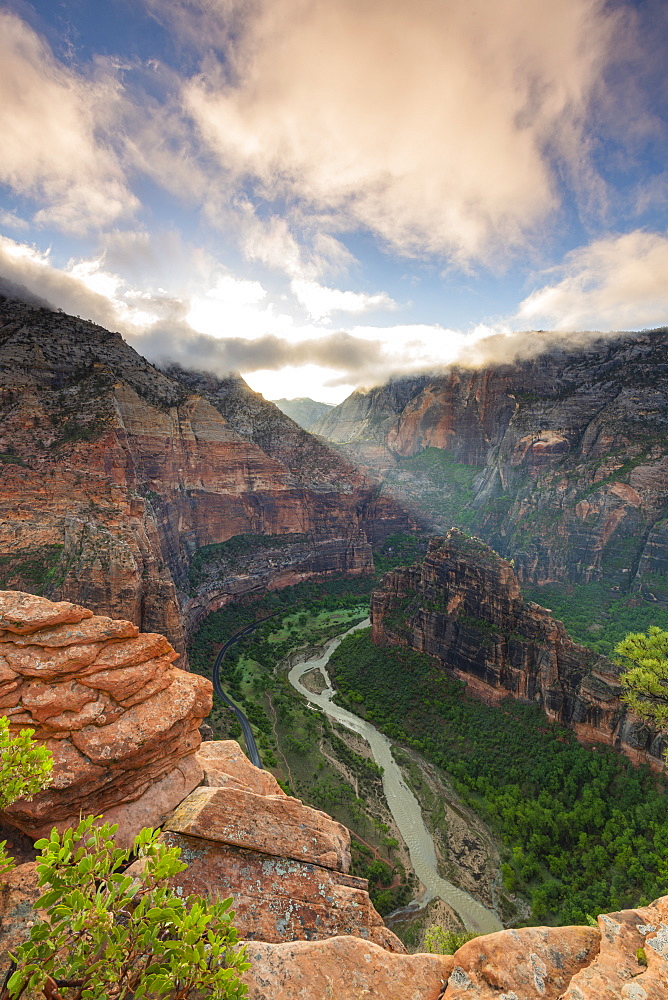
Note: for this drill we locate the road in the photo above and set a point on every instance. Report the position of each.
(251, 745)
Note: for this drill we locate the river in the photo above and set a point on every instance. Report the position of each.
(403, 805)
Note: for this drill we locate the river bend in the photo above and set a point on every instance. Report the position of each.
(403, 805)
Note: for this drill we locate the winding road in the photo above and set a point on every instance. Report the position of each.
(251, 745)
(404, 807)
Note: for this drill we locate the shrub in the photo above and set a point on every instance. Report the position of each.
(106, 934)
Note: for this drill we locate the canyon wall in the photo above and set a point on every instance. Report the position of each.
(559, 462)
(462, 604)
(114, 473)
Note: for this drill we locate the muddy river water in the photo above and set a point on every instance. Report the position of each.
(403, 805)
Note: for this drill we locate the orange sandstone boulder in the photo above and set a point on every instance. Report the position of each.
(121, 721)
(22, 613)
(18, 893)
(534, 963)
(277, 898)
(225, 763)
(629, 939)
(284, 863)
(273, 824)
(342, 968)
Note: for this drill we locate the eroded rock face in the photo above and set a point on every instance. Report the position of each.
(633, 959)
(462, 604)
(284, 864)
(120, 720)
(535, 963)
(624, 958)
(114, 473)
(566, 452)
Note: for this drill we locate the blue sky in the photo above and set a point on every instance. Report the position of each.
(324, 193)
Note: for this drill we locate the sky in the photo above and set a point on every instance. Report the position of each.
(322, 194)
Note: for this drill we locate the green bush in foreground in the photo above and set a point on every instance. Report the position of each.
(108, 935)
(111, 936)
(25, 767)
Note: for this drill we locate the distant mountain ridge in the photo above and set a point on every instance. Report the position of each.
(304, 411)
(559, 462)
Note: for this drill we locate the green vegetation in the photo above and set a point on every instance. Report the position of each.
(593, 615)
(646, 677)
(438, 484)
(308, 755)
(104, 934)
(10, 459)
(584, 831)
(399, 549)
(40, 570)
(441, 942)
(25, 767)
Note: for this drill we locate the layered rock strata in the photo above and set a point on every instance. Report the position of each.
(462, 604)
(284, 864)
(114, 473)
(120, 720)
(564, 454)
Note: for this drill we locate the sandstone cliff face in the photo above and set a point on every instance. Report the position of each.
(568, 456)
(114, 473)
(284, 864)
(119, 719)
(463, 604)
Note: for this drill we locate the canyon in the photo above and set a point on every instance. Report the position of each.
(310, 929)
(115, 473)
(558, 461)
(462, 604)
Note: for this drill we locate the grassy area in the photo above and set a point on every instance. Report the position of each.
(299, 745)
(584, 831)
(593, 615)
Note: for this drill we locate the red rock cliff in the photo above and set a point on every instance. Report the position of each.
(114, 473)
(463, 604)
(566, 452)
(120, 720)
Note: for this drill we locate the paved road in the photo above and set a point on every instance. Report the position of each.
(253, 752)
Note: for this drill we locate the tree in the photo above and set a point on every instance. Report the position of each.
(25, 770)
(108, 935)
(646, 679)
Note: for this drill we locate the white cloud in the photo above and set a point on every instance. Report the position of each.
(49, 122)
(436, 126)
(615, 283)
(320, 302)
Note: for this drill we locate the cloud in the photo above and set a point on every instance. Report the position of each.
(202, 330)
(273, 241)
(24, 265)
(440, 127)
(320, 302)
(50, 121)
(615, 283)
